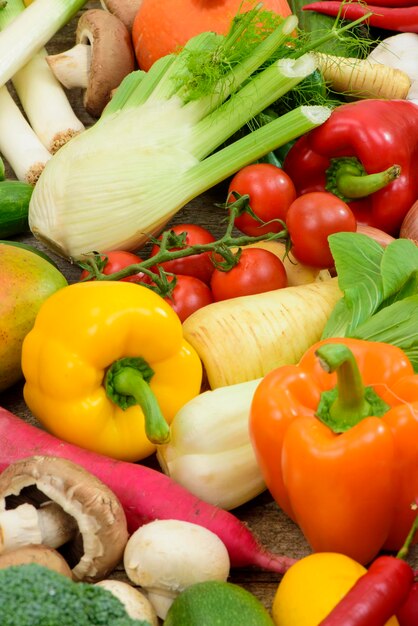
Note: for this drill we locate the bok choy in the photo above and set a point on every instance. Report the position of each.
(380, 287)
(157, 144)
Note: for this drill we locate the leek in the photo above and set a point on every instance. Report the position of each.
(31, 30)
(41, 95)
(156, 146)
(19, 144)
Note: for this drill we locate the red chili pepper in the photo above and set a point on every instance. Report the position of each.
(396, 4)
(401, 19)
(408, 613)
(376, 596)
(379, 594)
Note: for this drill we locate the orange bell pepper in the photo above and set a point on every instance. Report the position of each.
(343, 466)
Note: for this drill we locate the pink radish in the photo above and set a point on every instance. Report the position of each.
(144, 493)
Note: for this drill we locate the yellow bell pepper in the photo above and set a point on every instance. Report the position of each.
(107, 368)
(313, 586)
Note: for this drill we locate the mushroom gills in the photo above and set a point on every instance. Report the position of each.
(71, 507)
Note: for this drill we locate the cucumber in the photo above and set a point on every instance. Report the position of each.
(217, 603)
(14, 207)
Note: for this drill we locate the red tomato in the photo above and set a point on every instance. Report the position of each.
(188, 295)
(197, 265)
(271, 193)
(311, 218)
(256, 271)
(117, 260)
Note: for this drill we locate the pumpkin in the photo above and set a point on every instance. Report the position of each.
(162, 26)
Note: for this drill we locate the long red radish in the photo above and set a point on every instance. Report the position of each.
(144, 493)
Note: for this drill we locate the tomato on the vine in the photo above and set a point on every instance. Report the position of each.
(271, 192)
(115, 261)
(257, 271)
(197, 265)
(188, 295)
(311, 218)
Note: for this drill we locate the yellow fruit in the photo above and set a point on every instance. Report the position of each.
(313, 586)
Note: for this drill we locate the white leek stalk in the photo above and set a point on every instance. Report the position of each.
(124, 178)
(210, 452)
(19, 144)
(41, 95)
(46, 104)
(31, 30)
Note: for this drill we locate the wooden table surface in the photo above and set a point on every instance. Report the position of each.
(262, 515)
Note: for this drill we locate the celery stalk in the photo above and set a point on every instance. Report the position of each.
(125, 177)
(233, 157)
(31, 30)
(274, 81)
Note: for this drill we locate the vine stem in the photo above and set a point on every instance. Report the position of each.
(222, 247)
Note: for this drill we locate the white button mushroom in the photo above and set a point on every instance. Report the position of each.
(166, 556)
(56, 502)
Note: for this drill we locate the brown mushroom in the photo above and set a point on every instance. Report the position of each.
(40, 554)
(125, 10)
(54, 501)
(102, 57)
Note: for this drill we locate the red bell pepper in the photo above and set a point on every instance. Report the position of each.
(366, 153)
(388, 16)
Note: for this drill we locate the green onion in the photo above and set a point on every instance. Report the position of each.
(157, 144)
(31, 30)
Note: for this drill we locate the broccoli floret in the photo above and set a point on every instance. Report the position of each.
(33, 595)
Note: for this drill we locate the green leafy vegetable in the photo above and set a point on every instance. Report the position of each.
(380, 287)
(158, 143)
(156, 146)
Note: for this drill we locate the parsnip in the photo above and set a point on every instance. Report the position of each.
(244, 338)
(210, 452)
(363, 78)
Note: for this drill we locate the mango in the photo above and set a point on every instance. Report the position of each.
(26, 281)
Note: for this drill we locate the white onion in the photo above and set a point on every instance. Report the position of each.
(375, 233)
(409, 227)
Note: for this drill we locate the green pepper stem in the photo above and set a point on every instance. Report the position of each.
(347, 178)
(403, 552)
(127, 384)
(350, 401)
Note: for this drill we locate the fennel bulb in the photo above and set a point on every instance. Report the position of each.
(155, 147)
